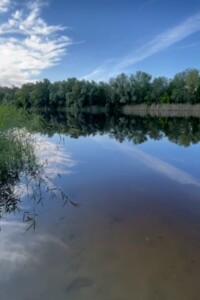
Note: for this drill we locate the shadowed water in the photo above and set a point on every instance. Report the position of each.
(136, 234)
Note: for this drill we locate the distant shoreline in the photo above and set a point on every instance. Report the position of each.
(163, 110)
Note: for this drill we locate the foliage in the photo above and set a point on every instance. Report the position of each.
(22, 174)
(76, 94)
(180, 130)
(20, 169)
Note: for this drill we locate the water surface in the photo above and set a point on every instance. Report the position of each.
(136, 234)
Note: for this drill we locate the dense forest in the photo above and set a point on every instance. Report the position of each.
(137, 88)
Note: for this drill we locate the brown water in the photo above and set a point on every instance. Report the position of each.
(135, 236)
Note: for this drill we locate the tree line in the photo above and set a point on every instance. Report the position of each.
(122, 90)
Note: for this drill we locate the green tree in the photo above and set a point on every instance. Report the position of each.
(140, 87)
(39, 96)
(159, 90)
(192, 84)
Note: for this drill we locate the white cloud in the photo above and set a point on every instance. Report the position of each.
(189, 45)
(162, 167)
(28, 45)
(18, 253)
(156, 164)
(13, 254)
(59, 160)
(4, 5)
(157, 44)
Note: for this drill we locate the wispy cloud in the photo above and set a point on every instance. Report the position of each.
(13, 254)
(28, 45)
(155, 164)
(162, 167)
(157, 44)
(189, 45)
(18, 253)
(145, 4)
(4, 5)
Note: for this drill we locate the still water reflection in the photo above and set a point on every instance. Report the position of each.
(136, 234)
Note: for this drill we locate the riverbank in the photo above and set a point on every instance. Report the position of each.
(163, 110)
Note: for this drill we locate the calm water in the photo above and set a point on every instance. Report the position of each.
(136, 234)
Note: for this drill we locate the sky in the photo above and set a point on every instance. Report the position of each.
(96, 39)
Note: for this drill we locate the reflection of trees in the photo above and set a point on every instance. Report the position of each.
(182, 131)
(21, 173)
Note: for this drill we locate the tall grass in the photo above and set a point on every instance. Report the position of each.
(21, 173)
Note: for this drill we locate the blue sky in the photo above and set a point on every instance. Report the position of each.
(96, 40)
